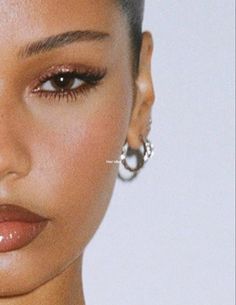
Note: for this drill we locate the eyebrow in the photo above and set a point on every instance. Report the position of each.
(60, 40)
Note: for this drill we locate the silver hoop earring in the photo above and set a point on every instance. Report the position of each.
(141, 158)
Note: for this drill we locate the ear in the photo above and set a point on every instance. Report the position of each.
(144, 98)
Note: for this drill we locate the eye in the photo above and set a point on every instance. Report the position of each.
(62, 82)
(68, 82)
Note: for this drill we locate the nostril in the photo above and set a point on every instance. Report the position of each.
(14, 162)
(6, 172)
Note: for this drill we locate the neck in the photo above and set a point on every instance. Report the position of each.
(64, 289)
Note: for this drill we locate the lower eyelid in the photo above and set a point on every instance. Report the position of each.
(67, 95)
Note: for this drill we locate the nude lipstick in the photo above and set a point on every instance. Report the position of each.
(18, 227)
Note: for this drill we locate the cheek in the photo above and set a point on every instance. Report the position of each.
(74, 181)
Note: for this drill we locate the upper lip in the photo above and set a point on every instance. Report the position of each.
(10, 212)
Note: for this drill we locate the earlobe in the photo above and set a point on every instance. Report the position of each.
(140, 118)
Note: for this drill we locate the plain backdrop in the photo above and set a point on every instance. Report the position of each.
(168, 237)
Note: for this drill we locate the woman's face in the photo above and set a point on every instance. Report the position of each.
(54, 146)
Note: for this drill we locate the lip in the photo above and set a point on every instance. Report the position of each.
(18, 227)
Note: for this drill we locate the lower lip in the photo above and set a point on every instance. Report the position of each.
(17, 234)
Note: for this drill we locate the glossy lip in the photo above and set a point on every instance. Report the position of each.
(18, 227)
(9, 212)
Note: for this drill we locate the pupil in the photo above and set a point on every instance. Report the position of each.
(62, 81)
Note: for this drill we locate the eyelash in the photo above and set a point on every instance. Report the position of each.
(90, 77)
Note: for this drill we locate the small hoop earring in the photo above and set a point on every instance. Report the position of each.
(141, 158)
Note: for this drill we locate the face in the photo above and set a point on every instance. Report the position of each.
(64, 112)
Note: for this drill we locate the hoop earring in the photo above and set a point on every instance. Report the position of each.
(141, 158)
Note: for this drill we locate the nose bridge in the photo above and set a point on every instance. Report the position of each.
(14, 158)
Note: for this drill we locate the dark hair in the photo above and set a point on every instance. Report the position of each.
(134, 11)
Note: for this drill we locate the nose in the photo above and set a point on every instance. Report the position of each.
(14, 158)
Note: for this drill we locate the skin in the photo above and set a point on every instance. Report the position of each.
(53, 153)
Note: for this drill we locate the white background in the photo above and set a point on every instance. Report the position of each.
(168, 237)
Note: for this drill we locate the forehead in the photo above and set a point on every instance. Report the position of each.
(26, 19)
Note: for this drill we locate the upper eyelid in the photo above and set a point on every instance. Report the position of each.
(54, 70)
(79, 68)
(49, 77)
